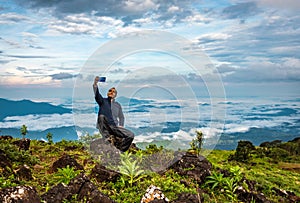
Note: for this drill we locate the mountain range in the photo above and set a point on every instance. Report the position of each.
(26, 107)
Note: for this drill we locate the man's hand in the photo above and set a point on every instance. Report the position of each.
(96, 80)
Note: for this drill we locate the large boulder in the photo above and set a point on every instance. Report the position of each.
(193, 166)
(19, 194)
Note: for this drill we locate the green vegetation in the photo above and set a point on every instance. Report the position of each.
(130, 169)
(24, 131)
(49, 137)
(65, 175)
(270, 166)
(196, 144)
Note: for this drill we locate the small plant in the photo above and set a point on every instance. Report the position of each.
(7, 182)
(49, 137)
(215, 180)
(196, 144)
(130, 169)
(230, 186)
(65, 175)
(24, 131)
(227, 185)
(152, 148)
(87, 139)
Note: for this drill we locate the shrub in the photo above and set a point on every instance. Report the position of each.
(24, 131)
(243, 151)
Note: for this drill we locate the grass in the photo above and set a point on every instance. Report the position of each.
(265, 171)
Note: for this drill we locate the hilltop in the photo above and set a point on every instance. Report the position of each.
(68, 171)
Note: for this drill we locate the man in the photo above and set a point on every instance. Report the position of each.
(111, 118)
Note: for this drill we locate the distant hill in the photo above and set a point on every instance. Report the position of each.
(26, 107)
(67, 133)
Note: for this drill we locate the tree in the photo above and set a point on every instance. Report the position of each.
(243, 151)
(49, 137)
(197, 143)
(24, 131)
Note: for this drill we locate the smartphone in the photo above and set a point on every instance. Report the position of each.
(102, 79)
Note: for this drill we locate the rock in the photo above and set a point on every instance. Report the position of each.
(246, 196)
(6, 137)
(56, 194)
(4, 160)
(193, 166)
(288, 195)
(101, 173)
(19, 194)
(154, 194)
(109, 154)
(24, 173)
(23, 144)
(189, 198)
(158, 201)
(64, 161)
(81, 186)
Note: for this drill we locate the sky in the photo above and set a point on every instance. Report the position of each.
(45, 45)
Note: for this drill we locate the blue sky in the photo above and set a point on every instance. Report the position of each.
(44, 45)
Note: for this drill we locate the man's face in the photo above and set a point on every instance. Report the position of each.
(111, 93)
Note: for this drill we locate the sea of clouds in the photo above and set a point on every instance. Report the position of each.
(156, 120)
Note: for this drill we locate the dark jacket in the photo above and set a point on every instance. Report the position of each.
(117, 113)
(104, 106)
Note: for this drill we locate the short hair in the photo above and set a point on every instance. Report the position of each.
(113, 88)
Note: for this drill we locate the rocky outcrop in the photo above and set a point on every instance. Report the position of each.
(101, 174)
(81, 186)
(19, 194)
(193, 166)
(64, 161)
(287, 195)
(24, 173)
(23, 144)
(6, 137)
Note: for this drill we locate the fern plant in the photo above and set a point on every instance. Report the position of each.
(65, 175)
(130, 169)
(215, 180)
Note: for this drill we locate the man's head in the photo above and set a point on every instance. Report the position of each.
(112, 93)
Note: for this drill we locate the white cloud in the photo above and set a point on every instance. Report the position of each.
(8, 18)
(38, 122)
(197, 18)
(173, 9)
(214, 36)
(293, 5)
(139, 5)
